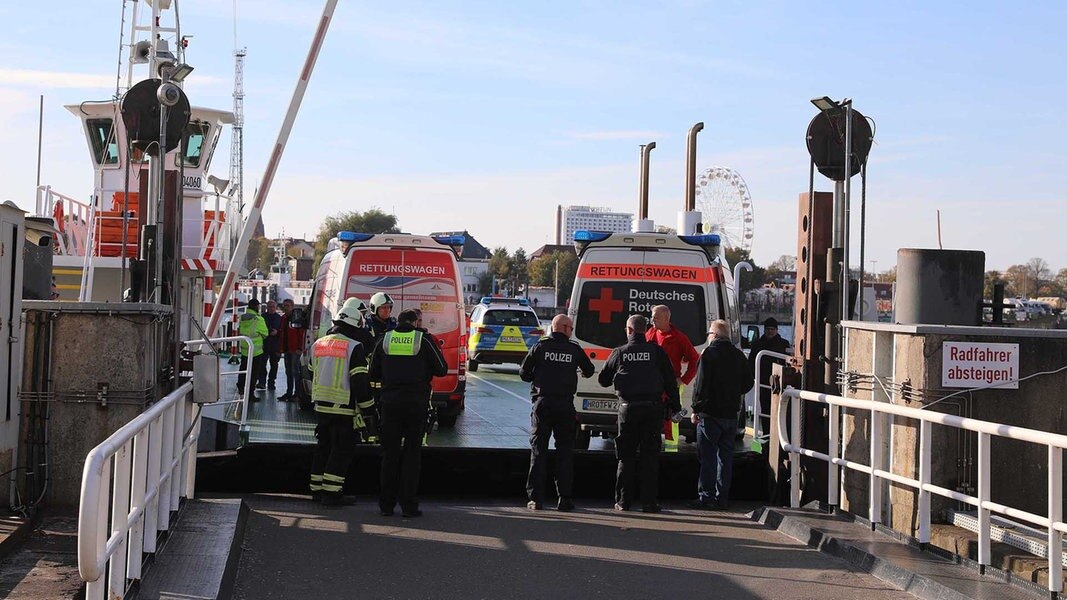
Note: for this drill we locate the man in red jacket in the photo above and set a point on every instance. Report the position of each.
(680, 350)
(292, 346)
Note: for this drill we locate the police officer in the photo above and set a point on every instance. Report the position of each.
(552, 369)
(340, 390)
(641, 374)
(404, 361)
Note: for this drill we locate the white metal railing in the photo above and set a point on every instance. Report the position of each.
(1053, 522)
(757, 409)
(240, 403)
(131, 483)
(71, 217)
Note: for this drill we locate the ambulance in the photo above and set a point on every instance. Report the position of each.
(417, 271)
(621, 274)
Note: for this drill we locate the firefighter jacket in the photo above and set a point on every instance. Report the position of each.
(722, 380)
(552, 366)
(379, 328)
(252, 325)
(641, 372)
(405, 361)
(339, 383)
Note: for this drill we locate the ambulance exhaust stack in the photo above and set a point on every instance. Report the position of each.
(689, 219)
(644, 224)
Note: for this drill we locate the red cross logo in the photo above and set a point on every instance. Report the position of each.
(606, 305)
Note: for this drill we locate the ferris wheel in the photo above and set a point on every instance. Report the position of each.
(726, 206)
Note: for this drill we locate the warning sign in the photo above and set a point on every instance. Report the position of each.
(977, 364)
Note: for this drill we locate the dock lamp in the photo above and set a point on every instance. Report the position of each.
(177, 73)
(828, 106)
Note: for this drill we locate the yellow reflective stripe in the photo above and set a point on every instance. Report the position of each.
(327, 487)
(316, 487)
(367, 404)
(358, 370)
(333, 478)
(316, 477)
(333, 409)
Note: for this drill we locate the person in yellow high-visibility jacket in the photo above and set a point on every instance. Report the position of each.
(340, 389)
(252, 325)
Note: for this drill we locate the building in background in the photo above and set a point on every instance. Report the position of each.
(594, 218)
(473, 262)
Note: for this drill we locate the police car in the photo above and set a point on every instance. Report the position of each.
(502, 330)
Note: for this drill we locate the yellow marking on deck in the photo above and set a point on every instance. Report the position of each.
(67, 271)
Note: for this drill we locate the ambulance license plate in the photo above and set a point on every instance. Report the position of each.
(600, 405)
(507, 339)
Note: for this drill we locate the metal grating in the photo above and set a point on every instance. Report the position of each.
(1006, 531)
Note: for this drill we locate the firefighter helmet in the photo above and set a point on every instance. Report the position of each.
(350, 313)
(379, 300)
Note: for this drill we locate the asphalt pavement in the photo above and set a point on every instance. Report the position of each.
(494, 549)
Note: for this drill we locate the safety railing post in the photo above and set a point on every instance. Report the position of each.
(190, 454)
(874, 501)
(796, 438)
(984, 556)
(120, 511)
(98, 589)
(137, 501)
(176, 452)
(151, 513)
(166, 455)
(1055, 516)
(925, 445)
(833, 470)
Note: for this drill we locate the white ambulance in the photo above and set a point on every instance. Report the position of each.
(417, 271)
(621, 274)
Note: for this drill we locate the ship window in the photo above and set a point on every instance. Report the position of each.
(195, 136)
(102, 140)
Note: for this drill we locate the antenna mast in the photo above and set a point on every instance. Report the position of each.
(237, 143)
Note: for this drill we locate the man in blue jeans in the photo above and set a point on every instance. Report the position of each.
(723, 378)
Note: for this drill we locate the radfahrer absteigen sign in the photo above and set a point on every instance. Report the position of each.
(980, 364)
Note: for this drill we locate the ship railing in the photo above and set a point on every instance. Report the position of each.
(71, 219)
(757, 406)
(238, 407)
(132, 484)
(1053, 523)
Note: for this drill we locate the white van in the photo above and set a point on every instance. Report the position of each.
(620, 274)
(417, 271)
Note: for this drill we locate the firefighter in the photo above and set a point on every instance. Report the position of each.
(363, 335)
(642, 375)
(381, 319)
(552, 368)
(405, 361)
(340, 390)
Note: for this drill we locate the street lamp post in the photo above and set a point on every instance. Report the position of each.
(555, 284)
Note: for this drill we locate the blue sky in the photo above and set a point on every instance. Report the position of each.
(486, 115)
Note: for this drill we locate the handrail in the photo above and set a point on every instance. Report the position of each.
(1055, 443)
(132, 482)
(146, 463)
(243, 400)
(757, 432)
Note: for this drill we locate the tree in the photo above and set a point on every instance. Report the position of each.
(784, 264)
(485, 283)
(259, 255)
(499, 266)
(517, 265)
(373, 220)
(542, 272)
(749, 280)
(1019, 281)
(993, 278)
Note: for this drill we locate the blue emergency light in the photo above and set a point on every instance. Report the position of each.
(585, 235)
(351, 237)
(704, 239)
(451, 240)
(487, 300)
